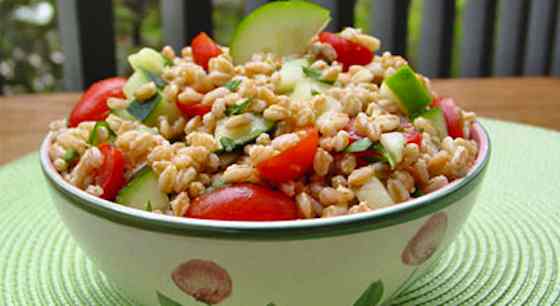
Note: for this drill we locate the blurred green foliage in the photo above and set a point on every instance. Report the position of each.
(31, 57)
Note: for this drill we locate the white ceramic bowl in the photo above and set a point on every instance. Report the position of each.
(361, 259)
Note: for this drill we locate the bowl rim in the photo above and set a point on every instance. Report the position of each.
(273, 230)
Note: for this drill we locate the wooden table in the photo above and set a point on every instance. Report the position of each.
(529, 100)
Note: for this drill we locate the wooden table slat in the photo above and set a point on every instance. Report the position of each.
(528, 100)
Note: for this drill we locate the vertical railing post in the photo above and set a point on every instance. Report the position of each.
(88, 41)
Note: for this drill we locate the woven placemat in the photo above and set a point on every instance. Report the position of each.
(506, 254)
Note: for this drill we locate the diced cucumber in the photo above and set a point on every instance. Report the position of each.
(143, 190)
(305, 88)
(137, 79)
(149, 111)
(231, 139)
(282, 27)
(394, 144)
(123, 113)
(147, 59)
(94, 136)
(375, 194)
(290, 74)
(403, 86)
(437, 119)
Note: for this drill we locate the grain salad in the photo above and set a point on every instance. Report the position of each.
(197, 132)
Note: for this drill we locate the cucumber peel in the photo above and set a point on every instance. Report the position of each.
(412, 96)
(142, 192)
(231, 139)
(283, 28)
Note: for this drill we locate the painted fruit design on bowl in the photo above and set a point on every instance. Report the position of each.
(426, 241)
(204, 280)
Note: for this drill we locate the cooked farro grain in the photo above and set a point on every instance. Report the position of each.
(344, 104)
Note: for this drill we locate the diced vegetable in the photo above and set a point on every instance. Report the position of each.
(136, 80)
(347, 52)
(143, 192)
(93, 103)
(243, 202)
(359, 146)
(452, 114)
(238, 108)
(437, 119)
(292, 162)
(283, 27)
(147, 59)
(70, 156)
(94, 138)
(393, 143)
(149, 111)
(404, 88)
(110, 176)
(203, 49)
(413, 136)
(231, 139)
(375, 194)
(304, 89)
(290, 74)
(195, 109)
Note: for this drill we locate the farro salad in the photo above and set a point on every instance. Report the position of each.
(288, 123)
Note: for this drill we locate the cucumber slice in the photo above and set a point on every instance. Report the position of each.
(149, 111)
(437, 118)
(137, 79)
(305, 89)
(233, 139)
(147, 59)
(290, 74)
(123, 113)
(283, 27)
(394, 144)
(411, 95)
(143, 191)
(375, 194)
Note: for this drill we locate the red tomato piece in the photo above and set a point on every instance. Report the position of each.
(191, 110)
(293, 162)
(413, 136)
(452, 116)
(243, 202)
(348, 52)
(203, 49)
(110, 176)
(93, 103)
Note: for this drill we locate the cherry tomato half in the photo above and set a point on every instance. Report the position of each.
(203, 49)
(293, 162)
(452, 116)
(243, 202)
(191, 110)
(93, 103)
(348, 52)
(413, 136)
(110, 176)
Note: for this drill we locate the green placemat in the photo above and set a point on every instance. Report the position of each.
(506, 254)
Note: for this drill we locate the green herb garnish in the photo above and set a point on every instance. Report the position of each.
(315, 74)
(148, 206)
(227, 143)
(359, 146)
(70, 156)
(314, 92)
(238, 108)
(141, 110)
(94, 136)
(232, 85)
(417, 193)
(386, 156)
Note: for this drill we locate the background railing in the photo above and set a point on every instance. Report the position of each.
(497, 37)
